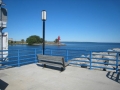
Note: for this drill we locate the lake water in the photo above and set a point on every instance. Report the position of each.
(73, 45)
(27, 53)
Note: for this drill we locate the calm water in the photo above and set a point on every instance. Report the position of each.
(30, 58)
(73, 45)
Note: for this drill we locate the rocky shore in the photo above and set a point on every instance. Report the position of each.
(107, 59)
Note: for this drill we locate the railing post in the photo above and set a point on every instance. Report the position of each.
(35, 56)
(117, 62)
(18, 58)
(1, 55)
(90, 60)
(66, 56)
(51, 52)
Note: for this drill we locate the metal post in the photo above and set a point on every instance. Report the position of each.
(43, 37)
(35, 56)
(117, 57)
(66, 56)
(90, 60)
(51, 52)
(18, 58)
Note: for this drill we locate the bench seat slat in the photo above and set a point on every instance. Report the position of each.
(50, 60)
(50, 57)
(56, 59)
(52, 64)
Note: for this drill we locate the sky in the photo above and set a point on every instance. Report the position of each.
(72, 20)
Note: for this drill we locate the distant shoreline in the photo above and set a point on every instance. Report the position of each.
(86, 42)
(61, 44)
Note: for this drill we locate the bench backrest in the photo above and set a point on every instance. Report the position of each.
(57, 59)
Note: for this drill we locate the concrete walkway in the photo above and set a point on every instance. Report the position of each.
(34, 77)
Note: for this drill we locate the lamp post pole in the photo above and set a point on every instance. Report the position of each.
(43, 37)
(43, 19)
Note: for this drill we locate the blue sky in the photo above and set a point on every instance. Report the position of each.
(73, 20)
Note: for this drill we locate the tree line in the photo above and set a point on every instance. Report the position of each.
(33, 39)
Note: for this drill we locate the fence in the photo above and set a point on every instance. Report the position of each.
(91, 59)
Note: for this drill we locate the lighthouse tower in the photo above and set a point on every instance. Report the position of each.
(58, 40)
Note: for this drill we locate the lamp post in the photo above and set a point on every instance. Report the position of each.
(43, 19)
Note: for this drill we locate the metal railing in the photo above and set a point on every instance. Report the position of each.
(91, 59)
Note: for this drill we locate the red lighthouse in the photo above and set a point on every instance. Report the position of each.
(58, 39)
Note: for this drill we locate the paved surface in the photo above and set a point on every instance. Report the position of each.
(34, 77)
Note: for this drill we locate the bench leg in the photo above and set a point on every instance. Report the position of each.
(44, 65)
(62, 69)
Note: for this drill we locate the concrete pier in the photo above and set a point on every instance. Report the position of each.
(35, 77)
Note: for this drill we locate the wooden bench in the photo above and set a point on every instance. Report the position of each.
(56, 61)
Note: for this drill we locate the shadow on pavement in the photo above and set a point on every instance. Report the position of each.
(3, 85)
(114, 76)
(50, 67)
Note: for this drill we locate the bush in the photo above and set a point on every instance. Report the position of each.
(34, 39)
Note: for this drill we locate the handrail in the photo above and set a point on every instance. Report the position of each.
(21, 56)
